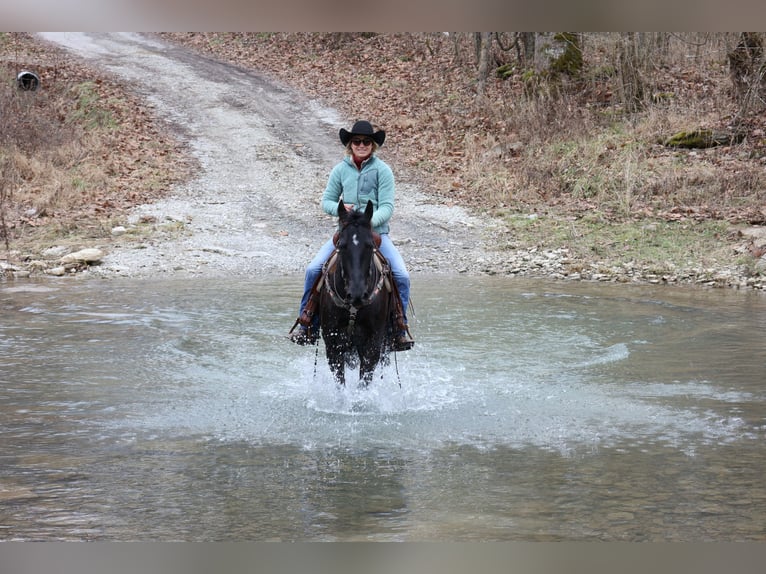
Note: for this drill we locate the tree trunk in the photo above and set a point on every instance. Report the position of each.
(528, 45)
(747, 69)
(457, 49)
(484, 44)
(630, 77)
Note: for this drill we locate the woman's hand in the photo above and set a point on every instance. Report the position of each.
(349, 207)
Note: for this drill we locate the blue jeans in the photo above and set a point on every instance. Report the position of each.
(389, 251)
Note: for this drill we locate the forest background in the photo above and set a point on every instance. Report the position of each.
(640, 150)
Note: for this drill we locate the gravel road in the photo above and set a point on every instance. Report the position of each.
(265, 152)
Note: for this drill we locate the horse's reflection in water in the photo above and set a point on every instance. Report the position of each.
(356, 301)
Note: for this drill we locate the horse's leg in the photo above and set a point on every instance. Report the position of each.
(332, 341)
(365, 379)
(339, 372)
(368, 360)
(337, 366)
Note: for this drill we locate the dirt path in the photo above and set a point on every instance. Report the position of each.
(265, 153)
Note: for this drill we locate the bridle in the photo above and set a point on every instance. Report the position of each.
(378, 272)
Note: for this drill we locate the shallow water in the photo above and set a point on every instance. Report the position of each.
(177, 410)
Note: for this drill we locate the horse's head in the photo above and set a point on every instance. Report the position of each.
(356, 247)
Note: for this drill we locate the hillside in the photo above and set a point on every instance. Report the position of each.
(570, 168)
(517, 149)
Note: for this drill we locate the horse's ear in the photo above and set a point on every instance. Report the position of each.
(342, 213)
(368, 210)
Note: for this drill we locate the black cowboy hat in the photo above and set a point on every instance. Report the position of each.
(362, 128)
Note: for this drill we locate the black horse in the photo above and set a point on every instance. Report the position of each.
(355, 305)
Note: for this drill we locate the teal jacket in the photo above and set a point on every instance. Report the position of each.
(375, 182)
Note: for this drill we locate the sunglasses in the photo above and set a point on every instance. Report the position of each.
(364, 142)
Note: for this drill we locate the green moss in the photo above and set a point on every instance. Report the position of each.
(570, 62)
(691, 139)
(505, 71)
(701, 138)
(564, 55)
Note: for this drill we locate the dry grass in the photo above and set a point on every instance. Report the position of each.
(35, 148)
(600, 157)
(75, 153)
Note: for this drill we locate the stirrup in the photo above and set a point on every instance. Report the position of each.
(303, 336)
(403, 342)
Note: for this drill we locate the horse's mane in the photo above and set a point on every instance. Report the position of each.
(357, 219)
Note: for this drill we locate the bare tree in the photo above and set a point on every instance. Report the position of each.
(631, 82)
(747, 69)
(483, 46)
(528, 44)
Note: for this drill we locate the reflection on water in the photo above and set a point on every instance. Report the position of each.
(175, 410)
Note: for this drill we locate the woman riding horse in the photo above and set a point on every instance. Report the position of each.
(360, 177)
